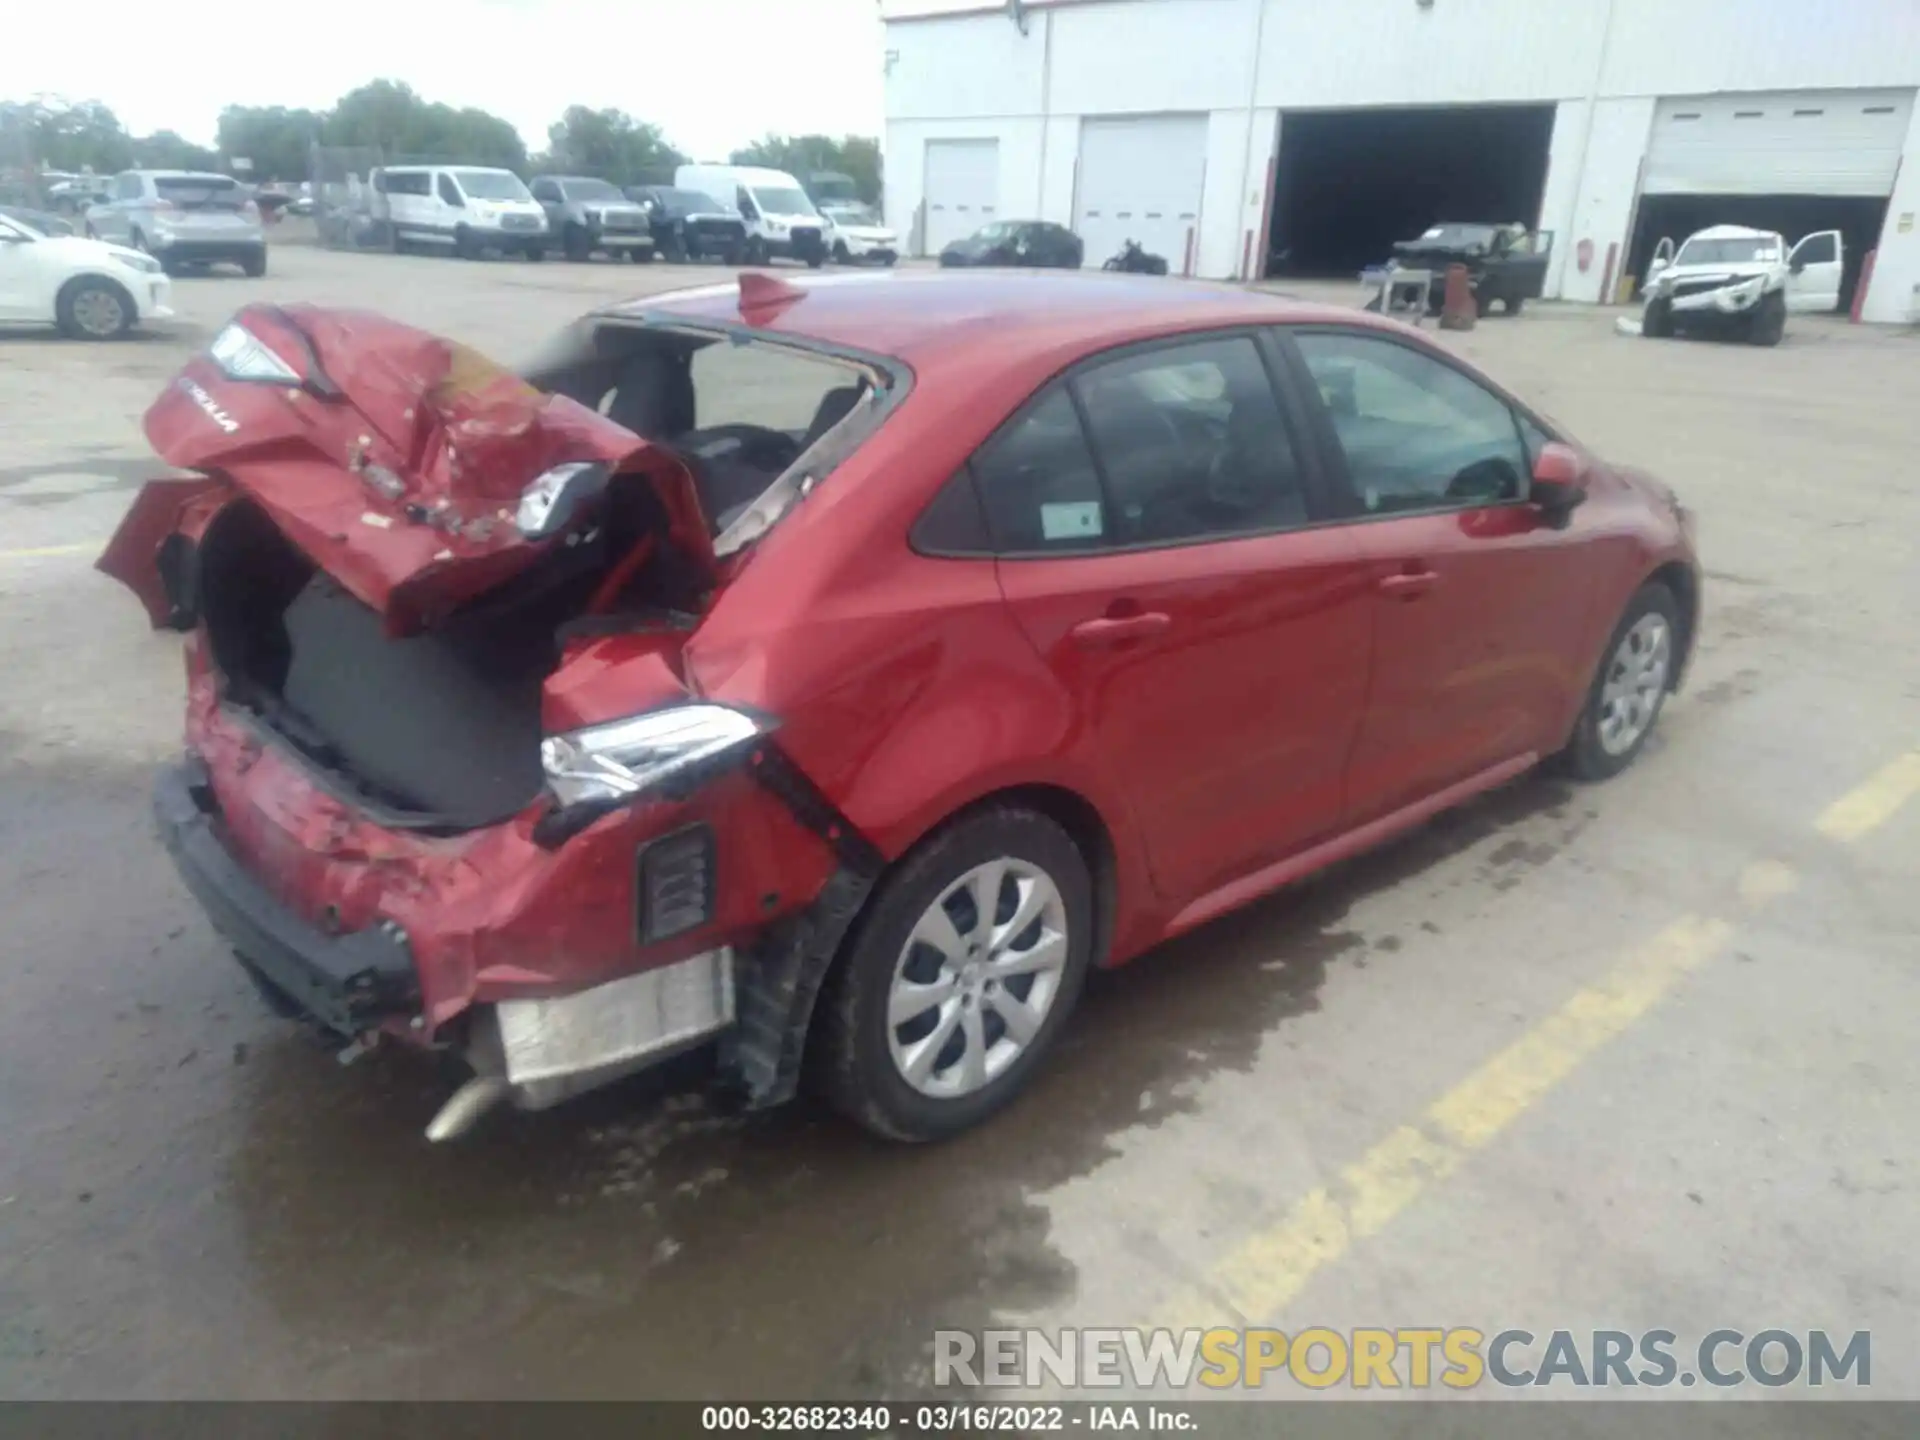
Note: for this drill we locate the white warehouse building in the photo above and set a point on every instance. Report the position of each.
(1243, 138)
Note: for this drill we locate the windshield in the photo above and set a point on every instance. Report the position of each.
(854, 214)
(200, 192)
(491, 185)
(10, 220)
(691, 202)
(1461, 235)
(1739, 250)
(779, 200)
(592, 190)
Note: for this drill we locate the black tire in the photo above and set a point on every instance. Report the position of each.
(536, 252)
(676, 249)
(255, 266)
(1586, 757)
(756, 251)
(73, 299)
(841, 255)
(1657, 322)
(816, 258)
(856, 1068)
(463, 244)
(1513, 305)
(574, 241)
(1769, 326)
(640, 254)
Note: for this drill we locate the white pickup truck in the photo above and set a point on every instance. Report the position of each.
(1728, 278)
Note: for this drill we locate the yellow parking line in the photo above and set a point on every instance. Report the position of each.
(1268, 1270)
(1872, 802)
(48, 552)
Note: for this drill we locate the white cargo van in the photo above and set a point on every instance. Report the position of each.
(465, 208)
(780, 219)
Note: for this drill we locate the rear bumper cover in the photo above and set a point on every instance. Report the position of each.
(348, 983)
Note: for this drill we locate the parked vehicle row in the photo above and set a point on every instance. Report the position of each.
(626, 721)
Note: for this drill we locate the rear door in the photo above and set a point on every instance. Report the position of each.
(1157, 517)
(1814, 266)
(1475, 596)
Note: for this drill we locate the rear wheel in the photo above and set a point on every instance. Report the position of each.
(841, 255)
(1769, 325)
(1625, 699)
(960, 976)
(93, 308)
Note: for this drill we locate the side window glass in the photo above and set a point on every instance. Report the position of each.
(1817, 251)
(1038, 484)
(547, 191)
(448, 192)
(1417, 434)
(129, 188)
(1193, 444)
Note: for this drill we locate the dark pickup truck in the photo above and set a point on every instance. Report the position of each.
(1504, 262)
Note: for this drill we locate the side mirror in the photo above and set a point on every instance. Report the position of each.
(1559, 480)
(1796, 265)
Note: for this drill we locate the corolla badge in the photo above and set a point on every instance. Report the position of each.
(206, 402)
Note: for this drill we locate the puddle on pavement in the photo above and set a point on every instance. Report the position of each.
(635, 1243)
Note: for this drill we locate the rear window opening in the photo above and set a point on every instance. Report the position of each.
(201, 192)
(438, 731)
(757, 422)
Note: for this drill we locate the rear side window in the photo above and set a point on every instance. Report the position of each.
(1038, 484)
(404, 182)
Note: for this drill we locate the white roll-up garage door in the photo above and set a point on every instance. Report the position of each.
(1140, 178)
(1805, 142)
(962, 187)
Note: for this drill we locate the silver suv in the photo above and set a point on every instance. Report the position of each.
(182, 218)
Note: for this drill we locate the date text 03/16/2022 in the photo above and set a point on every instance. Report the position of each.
(945, 1419)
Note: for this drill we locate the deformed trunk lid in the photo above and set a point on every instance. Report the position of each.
(396, 466)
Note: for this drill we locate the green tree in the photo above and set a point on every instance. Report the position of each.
(391, 115)
(611, 144)
(273, 137)
(168, 150)
(855, 156)
(57, 134)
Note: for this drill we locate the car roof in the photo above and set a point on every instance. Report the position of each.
(186, 175)
(1732, 232)
(934, 318)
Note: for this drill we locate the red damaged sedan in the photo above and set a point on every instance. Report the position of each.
(833, 671)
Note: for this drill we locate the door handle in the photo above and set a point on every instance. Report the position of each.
(1409, 584)
(1090, 634)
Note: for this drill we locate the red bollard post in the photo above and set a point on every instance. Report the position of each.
(1860, 287)
(1458, 311)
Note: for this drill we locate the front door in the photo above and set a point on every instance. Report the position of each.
(1474, 605)
(1155, 514)
(1813, 272)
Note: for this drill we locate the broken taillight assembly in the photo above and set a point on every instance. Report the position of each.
(594, 771)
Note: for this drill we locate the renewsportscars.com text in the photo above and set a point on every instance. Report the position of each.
(1459, 1358)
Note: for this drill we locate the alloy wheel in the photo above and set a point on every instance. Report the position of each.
(98, 311)
(976, 978)
(1636, 680)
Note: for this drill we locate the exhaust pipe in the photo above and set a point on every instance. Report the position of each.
(466, 1106)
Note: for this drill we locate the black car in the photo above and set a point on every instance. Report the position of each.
(690, 226)
(1506, 263)
(1018, 242)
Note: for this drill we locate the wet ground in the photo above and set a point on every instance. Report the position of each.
(198, 1200)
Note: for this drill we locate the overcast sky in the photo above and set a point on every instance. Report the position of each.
(714, 73)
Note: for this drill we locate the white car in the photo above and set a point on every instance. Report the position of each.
(462, 208)
(855, 235)
(1728, 278)
(89, 289)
